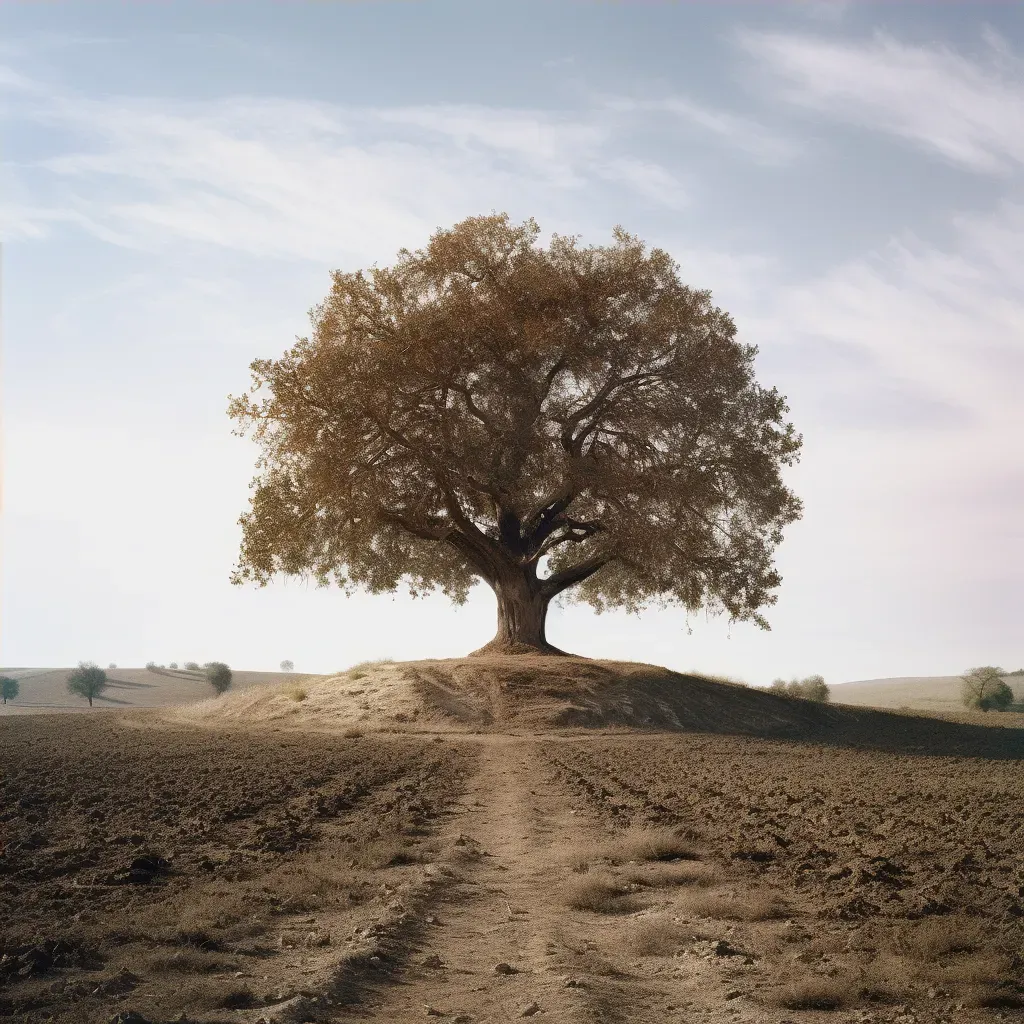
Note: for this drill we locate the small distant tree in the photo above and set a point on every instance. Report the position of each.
(287, 666)
(151, 665)
(174, 664)
(88, 680)
(983, 689)
(218, 675)
(812, 688)
(192, 666)
(8, 688)
(112, 665)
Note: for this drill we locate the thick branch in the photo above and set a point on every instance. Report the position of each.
(573, 531)
(574, 574)
(474, 409)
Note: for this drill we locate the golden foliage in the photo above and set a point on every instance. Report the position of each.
(487, 404)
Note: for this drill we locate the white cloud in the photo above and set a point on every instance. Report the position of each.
(305, 180)
(950, 321)
(750, 137)
(648, 179)
(969, 112)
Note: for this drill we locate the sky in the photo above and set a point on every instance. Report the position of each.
(177, 182)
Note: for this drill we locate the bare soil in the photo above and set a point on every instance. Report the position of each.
(297, 868)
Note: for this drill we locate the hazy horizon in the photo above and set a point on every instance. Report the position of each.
(178, 182)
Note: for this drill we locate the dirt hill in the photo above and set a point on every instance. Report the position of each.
(46, 690)
(523, 693)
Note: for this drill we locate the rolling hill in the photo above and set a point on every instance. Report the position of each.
(920, 693)
(45, 689)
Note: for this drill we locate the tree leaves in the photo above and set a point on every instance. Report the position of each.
(487, 404)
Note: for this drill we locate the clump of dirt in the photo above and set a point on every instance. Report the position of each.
(544, 692)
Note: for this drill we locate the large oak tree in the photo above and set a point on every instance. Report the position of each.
(538, 418)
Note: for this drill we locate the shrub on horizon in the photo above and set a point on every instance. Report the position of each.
(112, 665)
(8, 688)
(88, 680)
(812, 688)
(174, 664)
(287, 666)
(983, 689)
(193, 666)
(218, 675)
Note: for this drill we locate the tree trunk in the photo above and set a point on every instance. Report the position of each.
(522, 610)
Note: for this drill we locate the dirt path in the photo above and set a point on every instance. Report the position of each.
(499, 909)
(503, 945)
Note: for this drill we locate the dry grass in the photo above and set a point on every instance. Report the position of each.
(813, 994)
(716, 678)
(640, 844)
(600, 894)
(662, 876)
(982, 969)
(203, 920)
(362, 668)
(297, 693)
(886, 979)
(635, 845)
(657, 938)
(751, 907)
(933, 937)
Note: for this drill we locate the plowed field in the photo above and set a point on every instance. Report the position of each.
(184, 873)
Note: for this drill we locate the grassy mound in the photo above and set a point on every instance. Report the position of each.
(538, 693)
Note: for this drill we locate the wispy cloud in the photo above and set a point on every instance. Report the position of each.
(745, 134)
(297, 179)
(916, 336)
(968, 111)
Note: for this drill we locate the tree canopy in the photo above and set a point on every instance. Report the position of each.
(88, 680)
(218, 675)
(537, 418)
(9, 688)
(984, 689)
(812, 688)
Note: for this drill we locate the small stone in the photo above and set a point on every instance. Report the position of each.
(430, 919)
(733, 994)
(574, 983)
(433, 961)
(433, 1011)
(504, 968)
(530, 1010)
